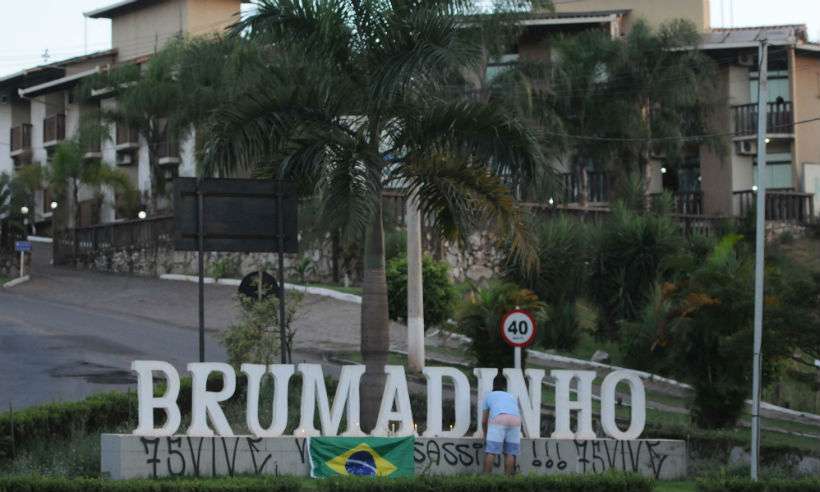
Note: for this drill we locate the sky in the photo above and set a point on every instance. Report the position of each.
(30, 27)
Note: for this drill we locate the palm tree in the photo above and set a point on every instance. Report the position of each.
(148, 103)
(70, 170)
(349, 98)
(666, 94)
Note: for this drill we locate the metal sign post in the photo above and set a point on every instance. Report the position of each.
(280, 232)
(230, 215)
(760, 245)
(200, 239)
(518, 329)
(22, 247)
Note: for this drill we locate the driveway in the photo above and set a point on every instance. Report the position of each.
(66, 333)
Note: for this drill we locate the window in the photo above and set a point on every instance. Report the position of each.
(501, 65)
(778, 171)
(778, 85)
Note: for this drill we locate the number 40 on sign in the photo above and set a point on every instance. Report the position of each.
(518, 329)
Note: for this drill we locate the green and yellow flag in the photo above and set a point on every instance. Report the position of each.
(361, 456)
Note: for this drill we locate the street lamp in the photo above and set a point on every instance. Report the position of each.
(142, 215)
(24, 210)
(754, 188)
(663, 170)
(53, 205)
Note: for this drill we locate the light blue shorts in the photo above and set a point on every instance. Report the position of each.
(503, 438)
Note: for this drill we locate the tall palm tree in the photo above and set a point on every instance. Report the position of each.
(349, 98)
(666, 94)
(70, 170)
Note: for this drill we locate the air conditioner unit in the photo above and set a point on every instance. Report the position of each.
(747, 147)
(658, 152)
(125, 158)
(746, 59)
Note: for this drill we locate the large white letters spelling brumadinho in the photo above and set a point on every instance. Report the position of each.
(395, 415)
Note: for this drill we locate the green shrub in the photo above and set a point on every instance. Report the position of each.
(479, 317)
(255, 338)
(591, 483)
(494, 483)
(746, 485)
(439, 294)
(395, 244)
(243, 484)
(60, 420)
(558, 280)
(102, 412)
(628, 255)
(225, 267)
(561, 330)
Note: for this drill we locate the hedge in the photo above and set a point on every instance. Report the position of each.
(102, 412)
(496, 483)
(746, 485)
(243, 484)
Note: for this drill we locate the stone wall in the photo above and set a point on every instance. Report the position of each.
(160, 259)
(478, 259)
(128, 456)
(10, 264)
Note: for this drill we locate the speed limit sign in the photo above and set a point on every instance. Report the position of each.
(518, 328)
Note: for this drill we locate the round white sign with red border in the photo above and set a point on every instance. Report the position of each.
(518, 328)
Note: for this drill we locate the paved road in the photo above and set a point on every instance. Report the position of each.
(67, 334)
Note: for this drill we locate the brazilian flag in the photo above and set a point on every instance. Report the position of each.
(361, 456)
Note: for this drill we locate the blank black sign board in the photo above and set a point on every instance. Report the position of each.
(239, 215)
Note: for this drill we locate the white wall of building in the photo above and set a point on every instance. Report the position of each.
(6, 162)
(108, 150)
(187, 155)
(811, 183)
(39, 155)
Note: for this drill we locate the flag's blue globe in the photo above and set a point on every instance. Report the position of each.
(361, 464)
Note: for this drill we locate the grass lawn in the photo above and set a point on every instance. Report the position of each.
(3, 280)
(804, 252)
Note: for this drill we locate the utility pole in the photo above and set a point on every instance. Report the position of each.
(415, 295)
(760, 246)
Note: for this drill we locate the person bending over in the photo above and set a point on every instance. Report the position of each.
(502, 421)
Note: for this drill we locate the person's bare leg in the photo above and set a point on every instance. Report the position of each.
(488, 462)
(509, 464)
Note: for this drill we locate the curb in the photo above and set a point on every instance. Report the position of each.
(16, 281)
(234, 282)
(40, 239)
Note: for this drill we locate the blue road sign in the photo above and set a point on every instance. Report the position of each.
(22, 246)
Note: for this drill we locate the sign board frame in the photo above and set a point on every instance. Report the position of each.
(236, 213)
(507, 340)
(22, 246)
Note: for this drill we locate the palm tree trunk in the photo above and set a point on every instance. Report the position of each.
(375, 328)
(75, 196)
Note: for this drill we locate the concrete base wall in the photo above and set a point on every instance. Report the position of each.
(127, 456)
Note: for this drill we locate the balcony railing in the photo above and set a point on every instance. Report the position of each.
(127, 135)
(791, 206)
(597, 187)
(779, 118)
(54, 128)
(685, 202)
(21, 138)
(168, 152)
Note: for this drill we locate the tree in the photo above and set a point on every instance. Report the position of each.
(352, 97)
(27, 181)
(664, 94)
(612, 102)
(70, 170)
